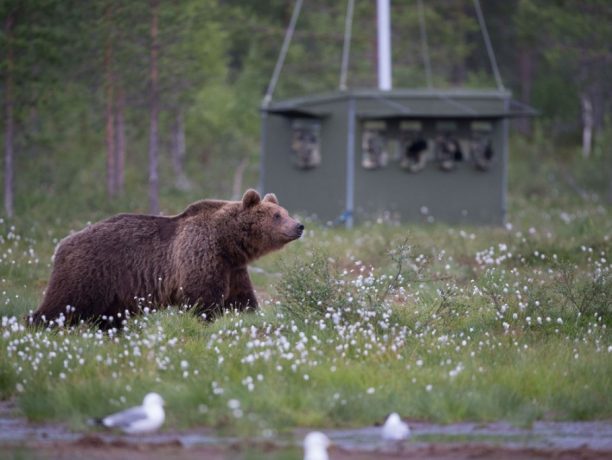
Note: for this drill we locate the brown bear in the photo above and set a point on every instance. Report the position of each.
(198, 257)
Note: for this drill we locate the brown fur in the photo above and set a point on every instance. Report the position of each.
(198, 257)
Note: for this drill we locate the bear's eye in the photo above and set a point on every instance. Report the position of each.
(277, 216)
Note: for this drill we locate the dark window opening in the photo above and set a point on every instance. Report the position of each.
(448, 152)
(374, 145)
(414, 148)
(305, 144)
(481, 145)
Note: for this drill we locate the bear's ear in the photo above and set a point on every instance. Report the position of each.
(250, 198)
(271, 198)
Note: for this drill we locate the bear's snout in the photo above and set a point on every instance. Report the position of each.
(299, 229)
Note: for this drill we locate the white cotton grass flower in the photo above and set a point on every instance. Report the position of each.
(140, 419)
(315, 446)
(395, 429)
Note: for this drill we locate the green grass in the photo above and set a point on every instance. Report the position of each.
(435, 322)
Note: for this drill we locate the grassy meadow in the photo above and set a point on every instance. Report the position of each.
(436, 322)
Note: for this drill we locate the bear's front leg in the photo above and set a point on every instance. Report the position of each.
(208, 294)
(241, 295)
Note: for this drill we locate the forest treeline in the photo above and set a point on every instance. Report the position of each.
(156, 92)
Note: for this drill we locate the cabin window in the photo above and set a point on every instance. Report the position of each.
(481, 145)
(374, 145)
(448, 151)
(414, 148)
(306, 143)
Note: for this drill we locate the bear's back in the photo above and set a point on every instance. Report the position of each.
(127, 234)
(135, 233)
(142, 226)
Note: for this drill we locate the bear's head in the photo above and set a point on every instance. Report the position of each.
(266, 226)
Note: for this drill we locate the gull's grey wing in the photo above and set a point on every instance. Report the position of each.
(125, 418)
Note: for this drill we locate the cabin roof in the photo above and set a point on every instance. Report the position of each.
(408, 103)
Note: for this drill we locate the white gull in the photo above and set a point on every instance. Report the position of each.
(315, 446)
(140, 419)
(395, 429)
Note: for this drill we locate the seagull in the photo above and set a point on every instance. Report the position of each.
(315, 446)
(140, 419)
(395, 429)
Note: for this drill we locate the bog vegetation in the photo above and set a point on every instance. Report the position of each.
(436, 322)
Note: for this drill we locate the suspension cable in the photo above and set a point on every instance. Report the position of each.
(346, 47)
(283, 53)
(489, 47)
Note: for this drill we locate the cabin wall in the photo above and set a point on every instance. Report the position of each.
(462, 195)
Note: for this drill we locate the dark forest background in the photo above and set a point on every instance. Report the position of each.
(112, 105)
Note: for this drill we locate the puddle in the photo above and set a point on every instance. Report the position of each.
(541, 440)
(542, 435)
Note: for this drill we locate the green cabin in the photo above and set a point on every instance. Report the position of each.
(405, 155)
(397, 154)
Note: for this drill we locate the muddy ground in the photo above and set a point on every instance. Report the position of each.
(92, 449)
(20, 439)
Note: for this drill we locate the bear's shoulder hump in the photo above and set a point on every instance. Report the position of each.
(203, 208)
